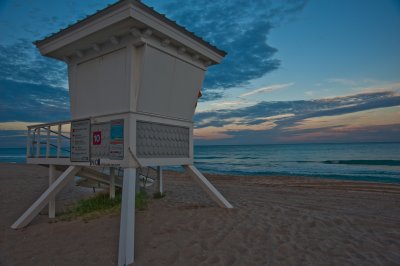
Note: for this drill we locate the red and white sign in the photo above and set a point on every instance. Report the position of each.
(97, 138)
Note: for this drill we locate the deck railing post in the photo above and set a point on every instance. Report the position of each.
(59, 141)
(38, 143)
(48, 142)
(32, 152)
(28, 144)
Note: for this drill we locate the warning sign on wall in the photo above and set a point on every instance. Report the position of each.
(91, 142)
(80, 141)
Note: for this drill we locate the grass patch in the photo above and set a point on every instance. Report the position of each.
(98, 203)
(141, 200)
(101, 204)
(158, 195)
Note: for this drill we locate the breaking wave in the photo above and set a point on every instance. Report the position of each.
(365, 162)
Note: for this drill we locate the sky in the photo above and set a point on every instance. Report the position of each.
(296, 71)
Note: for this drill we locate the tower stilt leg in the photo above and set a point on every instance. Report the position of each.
(127, 223)
(207, 186)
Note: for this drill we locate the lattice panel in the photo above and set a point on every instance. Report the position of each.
(155, 140)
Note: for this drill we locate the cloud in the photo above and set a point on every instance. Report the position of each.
(267, 89)
(288, 120)
(344, 122)
(21, 62)
(211, 95)
(342, 81)
(40, 18)
(366, 133)
(223, 131)
(301, 109)
(230, 104)
(353, 82)
(382, 88)
(16, 125)
(29, 102)
(309, 93)
(239, 27)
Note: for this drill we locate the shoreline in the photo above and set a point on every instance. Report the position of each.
(283, 220)
(275, 175)
(289, 177)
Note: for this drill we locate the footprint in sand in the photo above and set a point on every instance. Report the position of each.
(173, 258)
(338, 221)
(242, 250)
(213, 260)
(230, 261)
(312, 224)
(219, 238)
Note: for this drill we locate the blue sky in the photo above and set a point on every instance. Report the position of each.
(296, 71)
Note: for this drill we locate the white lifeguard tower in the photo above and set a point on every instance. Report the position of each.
(134, 80)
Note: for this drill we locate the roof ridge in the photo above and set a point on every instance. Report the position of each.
(139, 4)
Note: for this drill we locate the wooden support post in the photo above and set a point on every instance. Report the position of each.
(52, 200)
(160, 186)
(112, 182)
(44, 199)
(127, 223)
(207, 186)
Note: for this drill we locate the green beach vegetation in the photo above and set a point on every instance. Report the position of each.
(101, 204)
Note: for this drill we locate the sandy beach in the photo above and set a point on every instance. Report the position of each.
(276, 221)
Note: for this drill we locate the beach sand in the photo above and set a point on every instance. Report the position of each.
(276, 221)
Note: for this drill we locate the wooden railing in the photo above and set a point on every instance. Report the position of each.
(49, 140)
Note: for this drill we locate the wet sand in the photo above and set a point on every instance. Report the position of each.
(276, 221)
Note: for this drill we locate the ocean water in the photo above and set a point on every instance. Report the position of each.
(359, 161)
(13, 155)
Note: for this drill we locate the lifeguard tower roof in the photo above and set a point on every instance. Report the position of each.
(119, 19)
